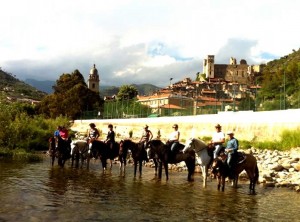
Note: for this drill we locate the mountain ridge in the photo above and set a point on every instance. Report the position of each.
(15, 88)
(105, 90)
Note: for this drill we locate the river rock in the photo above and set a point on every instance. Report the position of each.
(286, 165)
(277, 167)
(269, 184)
(291, 170)
(297, 166)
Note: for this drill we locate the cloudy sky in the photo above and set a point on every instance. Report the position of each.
(141, 41)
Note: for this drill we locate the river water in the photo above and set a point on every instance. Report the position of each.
(39, 192)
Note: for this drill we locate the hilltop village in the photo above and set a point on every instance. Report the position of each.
(219, 88)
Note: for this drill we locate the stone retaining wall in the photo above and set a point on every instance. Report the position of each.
(247, 125)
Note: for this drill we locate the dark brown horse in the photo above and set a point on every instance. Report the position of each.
(248, 163)
(123, 151)
(52, 150)
(164, 155)
(138, 153)
(61, 152)
(221, 170)
(103, 151)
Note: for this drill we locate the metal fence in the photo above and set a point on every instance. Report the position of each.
(133, 109)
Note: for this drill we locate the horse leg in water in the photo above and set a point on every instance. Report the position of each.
(140, 167)
(122, 164)
(103, 161)
(110, 163)
(166, 169)
(253, 179)
(52, 155)
(52, 159)
(155, 165)
(219, 180)
(204, 170)
(135, 162)
(160, 164)
(190, 163)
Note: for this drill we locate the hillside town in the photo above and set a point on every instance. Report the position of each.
(220, 87)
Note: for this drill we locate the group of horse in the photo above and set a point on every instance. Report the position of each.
(195, 151)
(80, 151)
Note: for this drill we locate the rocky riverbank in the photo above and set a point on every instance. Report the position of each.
(279, 168)
(276, 168)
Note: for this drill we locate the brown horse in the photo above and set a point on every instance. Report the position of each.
(247, 162)
(61, 152)
(123, 151)
(138, 153)
(165, 156)
(221, 170)
(103, 150)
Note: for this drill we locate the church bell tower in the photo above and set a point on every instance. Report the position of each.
(93, 81)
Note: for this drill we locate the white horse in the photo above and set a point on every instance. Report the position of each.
(202, 157)
(79, 151)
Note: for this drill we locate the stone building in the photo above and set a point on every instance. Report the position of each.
(93, 80)
(232, 72)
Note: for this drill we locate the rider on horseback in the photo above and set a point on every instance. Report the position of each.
(217, 141)
(110, 138)
(56, 135)
(146, 137)
(93, 135)
(66, 141)
(110, 141)
(173, 141)
(231, 150)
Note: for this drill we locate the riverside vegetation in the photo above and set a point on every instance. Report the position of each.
(23, 133)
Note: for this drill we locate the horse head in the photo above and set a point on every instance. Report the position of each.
(188, 145)
(154, 147)
(196, 144)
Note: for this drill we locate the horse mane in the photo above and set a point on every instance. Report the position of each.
(199, 144)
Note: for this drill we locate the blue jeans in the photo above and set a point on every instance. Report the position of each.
(217, 150)
(173, 146)
(230, 160)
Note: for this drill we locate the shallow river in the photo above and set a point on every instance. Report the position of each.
(38, 192)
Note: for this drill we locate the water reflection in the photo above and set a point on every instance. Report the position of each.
(51, 193)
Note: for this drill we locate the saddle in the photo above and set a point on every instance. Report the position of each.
(177, 149)
(241, 157)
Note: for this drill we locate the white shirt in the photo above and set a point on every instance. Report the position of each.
(218, 136)
(174, 135)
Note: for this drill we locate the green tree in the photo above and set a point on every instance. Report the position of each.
(70, 98)
(127, 92)
(280, 83)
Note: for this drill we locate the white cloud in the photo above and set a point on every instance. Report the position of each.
(143, 41)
